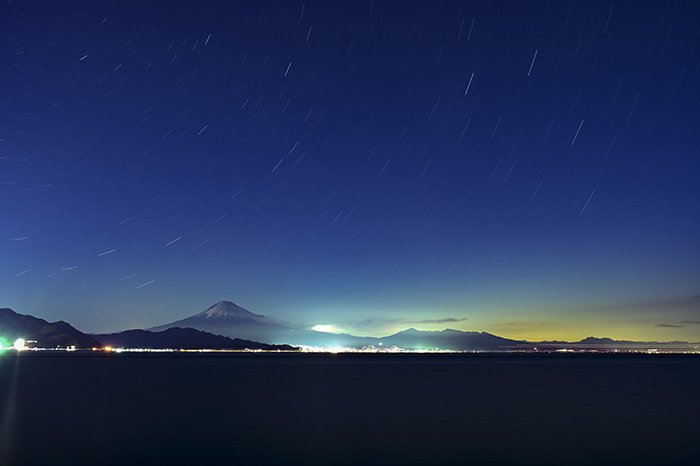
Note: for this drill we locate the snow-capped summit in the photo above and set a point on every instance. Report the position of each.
(229, 310)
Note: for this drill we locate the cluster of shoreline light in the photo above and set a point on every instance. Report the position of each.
(372, 349)
(109, 349)
(21, 345)
(302, 349)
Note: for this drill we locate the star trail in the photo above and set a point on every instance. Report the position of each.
(525, 168)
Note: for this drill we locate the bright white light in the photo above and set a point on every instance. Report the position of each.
(20, 344)
(326, 328)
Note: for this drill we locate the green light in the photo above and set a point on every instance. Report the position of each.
(4, 344)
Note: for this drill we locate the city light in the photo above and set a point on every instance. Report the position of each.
(20, 344)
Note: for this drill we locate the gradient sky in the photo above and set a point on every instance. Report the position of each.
(531, 169)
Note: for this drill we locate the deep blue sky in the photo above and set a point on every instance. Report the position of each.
(526, 168)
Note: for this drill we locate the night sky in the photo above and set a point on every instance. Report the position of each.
(531, 169)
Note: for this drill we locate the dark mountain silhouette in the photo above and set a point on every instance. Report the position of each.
(597, 341)
(449, 339)
(606, 343)
(182, 338)
(46, 334)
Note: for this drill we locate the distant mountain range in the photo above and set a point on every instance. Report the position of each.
(449, 339)
(609, 343)
(226, 325)
(182, 338)
(46, 334)
(229, 319)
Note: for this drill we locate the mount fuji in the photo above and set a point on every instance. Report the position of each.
(231, 320)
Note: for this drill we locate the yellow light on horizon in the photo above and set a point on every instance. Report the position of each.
(20, 344)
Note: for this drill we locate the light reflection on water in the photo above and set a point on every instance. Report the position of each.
(8, 414)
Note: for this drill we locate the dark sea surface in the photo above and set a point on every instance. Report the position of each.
(287, 409)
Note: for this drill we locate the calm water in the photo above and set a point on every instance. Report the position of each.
(109, 409)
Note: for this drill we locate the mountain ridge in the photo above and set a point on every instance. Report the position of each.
(14, 325)
(182, 338)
